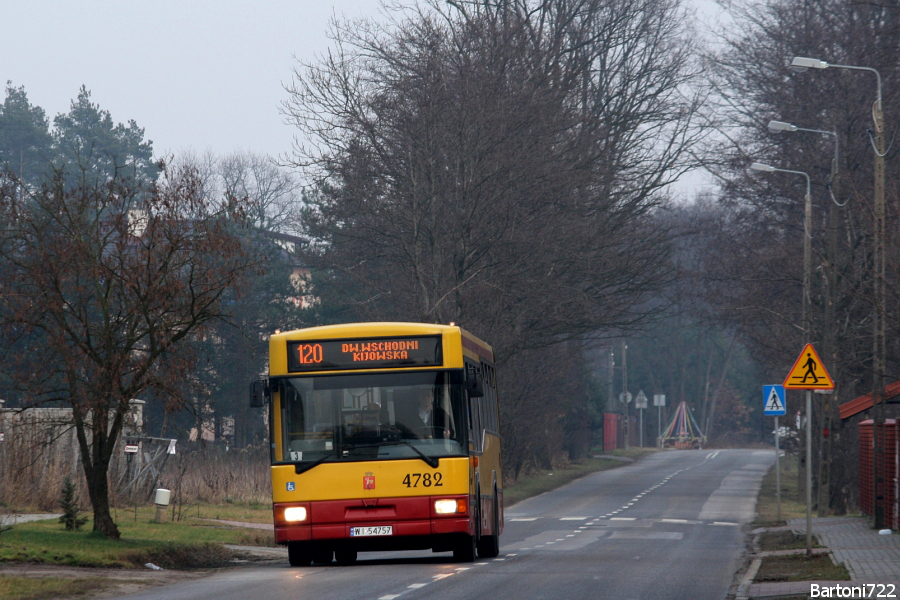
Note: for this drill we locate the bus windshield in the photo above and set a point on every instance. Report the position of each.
(372, 417)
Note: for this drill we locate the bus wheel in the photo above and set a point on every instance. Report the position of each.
(489, 545)
(345, 557)
(464, 551)
(299, 554)
(322, 556)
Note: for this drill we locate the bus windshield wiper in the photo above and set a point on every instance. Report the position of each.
(304, 467)
(431, 461)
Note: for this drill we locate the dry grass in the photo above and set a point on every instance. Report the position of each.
(799, 567)
(32, 474)
(13, 587)
(784, 540)
(792, 505)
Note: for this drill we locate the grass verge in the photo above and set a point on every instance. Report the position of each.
(13, 587)
(799, 567)
(532, 485)
(185, 544)
(784, 540)
(792, 505)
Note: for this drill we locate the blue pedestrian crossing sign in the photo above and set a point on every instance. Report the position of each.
(773, 400)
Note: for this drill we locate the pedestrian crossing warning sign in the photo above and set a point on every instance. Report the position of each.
(773, 400)
(808, 372)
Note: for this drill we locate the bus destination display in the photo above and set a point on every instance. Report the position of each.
(371, 353)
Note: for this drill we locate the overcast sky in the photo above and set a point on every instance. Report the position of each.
(195, 74)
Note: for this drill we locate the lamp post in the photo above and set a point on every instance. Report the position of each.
(807, 253)
(828, 331)
(801, 63)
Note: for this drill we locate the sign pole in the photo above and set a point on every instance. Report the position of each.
(808, 473)
(642, 429)
(808, 367)
(777, 469)
(774, 405)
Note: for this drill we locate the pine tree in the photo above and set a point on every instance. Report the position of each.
(69, 503)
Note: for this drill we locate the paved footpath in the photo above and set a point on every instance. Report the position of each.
(870, 558)
(24, 518)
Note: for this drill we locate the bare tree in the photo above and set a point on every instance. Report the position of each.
(103, 283)
(755, 259)
(497, 164)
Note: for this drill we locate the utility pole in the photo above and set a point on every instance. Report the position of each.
(625, 392)
(829, 329)
(880, 308)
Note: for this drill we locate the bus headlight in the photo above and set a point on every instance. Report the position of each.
(449, 507)
(295, 513)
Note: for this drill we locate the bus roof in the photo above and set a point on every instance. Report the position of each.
(472, 345)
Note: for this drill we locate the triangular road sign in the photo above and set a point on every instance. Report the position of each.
(808, 372)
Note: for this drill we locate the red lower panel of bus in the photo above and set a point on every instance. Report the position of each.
(407, 517)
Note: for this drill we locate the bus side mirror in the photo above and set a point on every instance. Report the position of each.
(259, 393)
(474, 383)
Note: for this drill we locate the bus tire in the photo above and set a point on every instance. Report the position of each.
(345, 557)
(464, 551)
(489, 545)
(322, 556)
(299, 554)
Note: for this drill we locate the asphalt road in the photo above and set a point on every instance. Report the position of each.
(666, 527)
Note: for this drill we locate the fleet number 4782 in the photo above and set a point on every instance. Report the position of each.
(424, 479)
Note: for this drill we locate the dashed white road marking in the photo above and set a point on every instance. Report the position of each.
(523, 519)
(623, 519)
(725, 523)
(574, 518)
(416, 586)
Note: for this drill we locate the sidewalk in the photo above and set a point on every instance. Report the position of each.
(25, 518)
(869, 557)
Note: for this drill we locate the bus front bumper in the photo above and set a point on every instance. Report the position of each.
(408, 518)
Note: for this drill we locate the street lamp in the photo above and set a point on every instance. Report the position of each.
(807, 253)
(779, 126)
(807, 246)
(801, 64)
(831, 280)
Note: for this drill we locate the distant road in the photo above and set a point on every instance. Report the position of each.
(666, 527)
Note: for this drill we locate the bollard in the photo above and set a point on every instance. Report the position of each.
(162, 502)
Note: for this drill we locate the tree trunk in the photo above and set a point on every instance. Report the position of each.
(98, 489)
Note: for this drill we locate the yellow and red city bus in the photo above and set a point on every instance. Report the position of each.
(384, 436)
